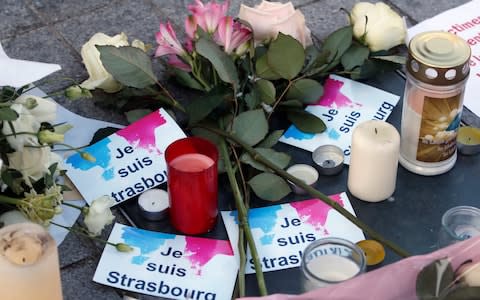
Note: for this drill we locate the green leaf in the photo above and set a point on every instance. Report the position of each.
(355, 56)
(311, 55)
(8, 114)
(463, 293)
(184, 78)
(306, 121)
(137, 114)
(250, 126)
(286, 56)
(266, 90)
(434, 278)
(271, 139)
(220, 60)
(269, 186)
(393, 58)
(201, 107)
(206, 134)
(263, 69)
(252, 99)
(128, 65)
(374, 67)
(279, 159)
(306, 90)
(338, 42)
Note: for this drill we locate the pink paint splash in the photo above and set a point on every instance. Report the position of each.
(201, 251)
(333, 97)
(143, 131)
(315, 211)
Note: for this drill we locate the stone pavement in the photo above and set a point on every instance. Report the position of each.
(54, 31)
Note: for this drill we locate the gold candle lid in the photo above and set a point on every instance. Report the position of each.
(438, 58)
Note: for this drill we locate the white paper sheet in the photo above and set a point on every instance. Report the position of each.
(17, 72)
(463, 21)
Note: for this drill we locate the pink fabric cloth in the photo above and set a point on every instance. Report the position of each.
(392, 282)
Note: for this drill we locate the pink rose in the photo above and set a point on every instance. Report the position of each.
(269, 18)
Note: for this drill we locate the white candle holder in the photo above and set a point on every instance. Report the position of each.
(330, 261)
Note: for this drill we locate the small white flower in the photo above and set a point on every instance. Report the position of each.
(44, 111)
(33, 162)
(99, 215)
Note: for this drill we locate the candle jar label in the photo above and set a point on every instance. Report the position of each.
(438, 128)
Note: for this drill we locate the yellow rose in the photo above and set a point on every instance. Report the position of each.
(377, 25)
(269, 18)
(99, 77)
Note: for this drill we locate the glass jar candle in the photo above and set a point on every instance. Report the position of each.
(437, 70)
(329, 261)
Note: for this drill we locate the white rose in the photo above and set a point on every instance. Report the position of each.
(377, 25)
(269, 18)
(25, 122)
(43, 110)
(33, 162)
(99, 77)
(99, 215)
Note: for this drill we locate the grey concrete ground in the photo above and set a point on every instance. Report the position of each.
(54, 30)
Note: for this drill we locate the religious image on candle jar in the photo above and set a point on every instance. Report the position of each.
(438, 129)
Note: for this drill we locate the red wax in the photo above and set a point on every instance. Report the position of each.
(192, 185)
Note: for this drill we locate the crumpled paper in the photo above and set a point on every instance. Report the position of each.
(17, 72)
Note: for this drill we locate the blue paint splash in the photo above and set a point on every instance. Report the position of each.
(263, 218)
(101, 152)
(294, 132)
(146, 241)
(333, 134)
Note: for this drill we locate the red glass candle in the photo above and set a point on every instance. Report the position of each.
(192, 184)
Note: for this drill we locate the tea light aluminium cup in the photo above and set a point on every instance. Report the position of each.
(306, 173)
(153, 204)
(329, 159)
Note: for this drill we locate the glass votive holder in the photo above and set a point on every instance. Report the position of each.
(192, 184)
(458, 224)
(330, 261)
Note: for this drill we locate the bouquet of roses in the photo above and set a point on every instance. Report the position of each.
(31, 170)
(244, 70)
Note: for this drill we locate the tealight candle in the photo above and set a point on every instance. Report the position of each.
(304, 172)
(29, 266)
(153, 204)
(374, 161)
(329, 159)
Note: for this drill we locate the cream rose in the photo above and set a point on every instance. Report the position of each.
(99, 77)
(33, 162)
(99, 215)
(470, 273)
(377, 25)
(42, 109)
(269, 18)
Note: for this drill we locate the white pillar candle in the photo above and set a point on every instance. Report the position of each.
(374, 161)
(29, 266)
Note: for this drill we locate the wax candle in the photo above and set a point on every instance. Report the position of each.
(192, 184)
(29, 266)
(153, 204)
(330, 269)
(304, 172)
(329, 261)
(374, 161)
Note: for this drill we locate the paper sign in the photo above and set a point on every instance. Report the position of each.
(463, 21)
(168, 265)
(282, 232)
(345, 103)
(13, 71)
(128, 162)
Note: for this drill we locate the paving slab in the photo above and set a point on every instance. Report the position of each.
(53, 11)
(16, 18)
(419, 10)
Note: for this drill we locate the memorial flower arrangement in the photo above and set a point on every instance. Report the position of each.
(31, 168)
(245, 72)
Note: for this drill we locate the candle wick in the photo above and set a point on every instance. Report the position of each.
(376, 130)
